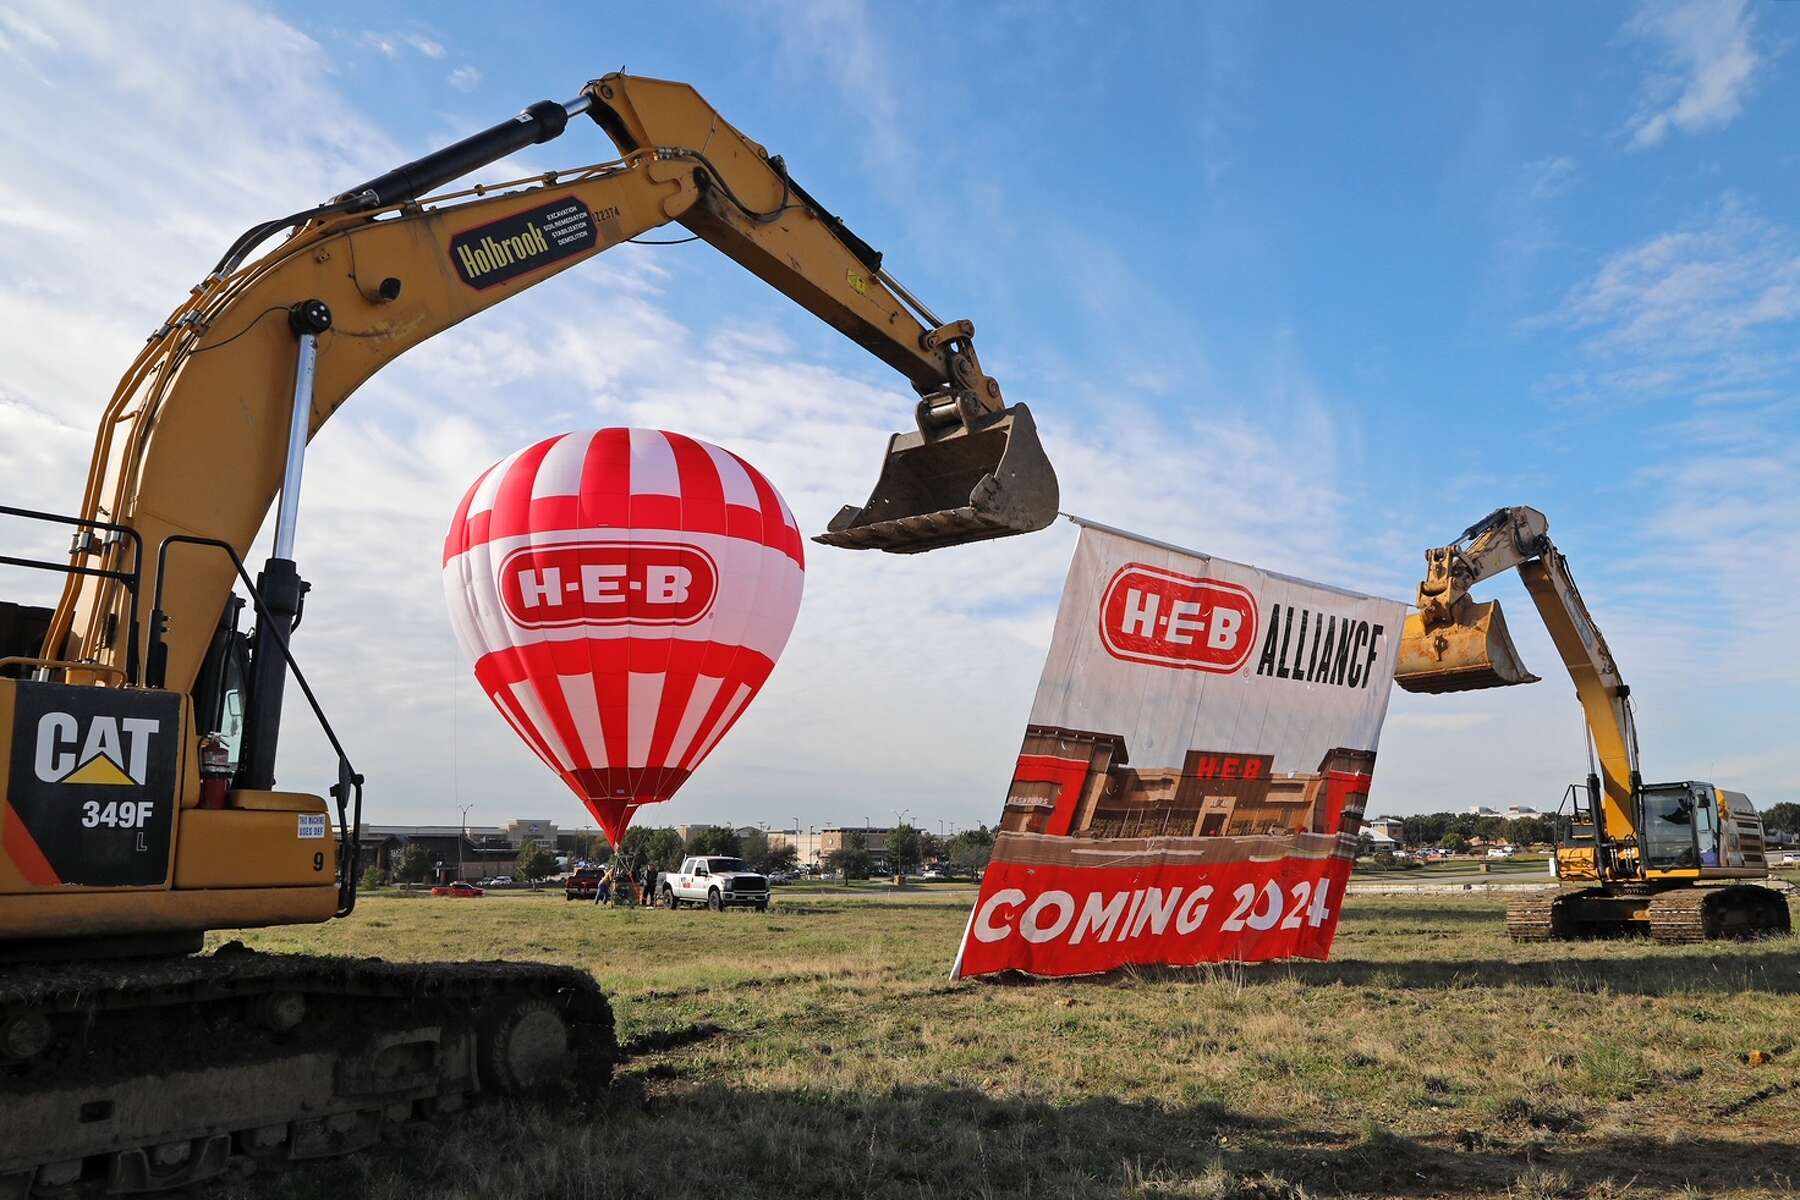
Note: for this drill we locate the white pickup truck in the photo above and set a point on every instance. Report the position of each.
(717, 882)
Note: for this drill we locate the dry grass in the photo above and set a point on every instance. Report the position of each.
(818, 1051)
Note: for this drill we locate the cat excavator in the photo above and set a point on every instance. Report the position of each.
(1675, 860)
(139, 725)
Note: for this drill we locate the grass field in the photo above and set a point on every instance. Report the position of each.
(817, 1051)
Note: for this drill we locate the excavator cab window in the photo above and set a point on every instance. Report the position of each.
(219, 691)
(1706, 829)
(231, 721)
(1669, 829)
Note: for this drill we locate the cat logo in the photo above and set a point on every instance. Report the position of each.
(111, 751)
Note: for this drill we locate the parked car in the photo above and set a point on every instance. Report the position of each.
(460, 888)
(717, 882)
(582, 884)
(501, 880)
(1501, 852)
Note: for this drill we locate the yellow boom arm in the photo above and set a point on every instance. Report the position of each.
(1455, 644)
(196, 438)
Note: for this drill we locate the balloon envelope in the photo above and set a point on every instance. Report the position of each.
(623, 595)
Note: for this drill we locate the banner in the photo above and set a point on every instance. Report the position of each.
(1195, 768)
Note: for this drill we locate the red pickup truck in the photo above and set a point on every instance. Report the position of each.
(582, 884)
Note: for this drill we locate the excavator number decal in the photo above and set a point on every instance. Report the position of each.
(510, 247)
(90, 797)
(130, 815)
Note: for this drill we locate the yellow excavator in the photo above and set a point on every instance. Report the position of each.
(138, 724)
(1674, 860)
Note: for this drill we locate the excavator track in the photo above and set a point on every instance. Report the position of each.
(1705, 914)
(124, 1076)
(1540, 916)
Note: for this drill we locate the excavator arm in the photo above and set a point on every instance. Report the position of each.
(212, 419)
(1455, 644)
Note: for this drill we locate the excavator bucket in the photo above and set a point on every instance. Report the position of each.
(968, 484)
(1472, 651)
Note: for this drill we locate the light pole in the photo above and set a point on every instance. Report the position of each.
(462, 835)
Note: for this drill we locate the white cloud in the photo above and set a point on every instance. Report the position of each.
(392, 45)
(1547, 178)
(465, 78)
(1702, 290)
(1697, 325)
(836, 38)
(1707, 66)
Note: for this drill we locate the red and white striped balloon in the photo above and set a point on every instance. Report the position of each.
(623, 594)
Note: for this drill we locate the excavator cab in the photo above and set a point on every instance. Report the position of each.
(974, 478)
(1469, 651)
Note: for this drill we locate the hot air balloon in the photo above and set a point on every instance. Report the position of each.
(623, 595)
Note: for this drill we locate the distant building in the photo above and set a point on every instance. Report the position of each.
(1388, 833)
(526, 829)
(457, 852)
(807, 843)
(1512, 812)
(814, 845)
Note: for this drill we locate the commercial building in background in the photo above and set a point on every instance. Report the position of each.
(526, 829)
(462, 851)
(814, 846)
(1388, 833)
(457, 852)
(1513, 812)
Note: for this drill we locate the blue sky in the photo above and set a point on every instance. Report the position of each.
(1313, 287)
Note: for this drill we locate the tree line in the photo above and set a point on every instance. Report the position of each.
(663, 848)
(1455, 831)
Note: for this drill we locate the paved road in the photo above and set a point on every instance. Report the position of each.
(1411, 878)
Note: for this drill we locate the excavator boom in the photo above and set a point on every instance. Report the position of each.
(200, 434)
(1455, 644)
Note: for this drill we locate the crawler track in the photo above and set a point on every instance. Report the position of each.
(132, 1076)
(1706, 914)
(1541, 916)
(1679, 915)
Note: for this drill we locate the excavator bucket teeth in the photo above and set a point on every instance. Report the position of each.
(966, 485)
(1472, 651)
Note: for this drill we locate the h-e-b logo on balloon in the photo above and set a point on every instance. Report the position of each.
(608, 583)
